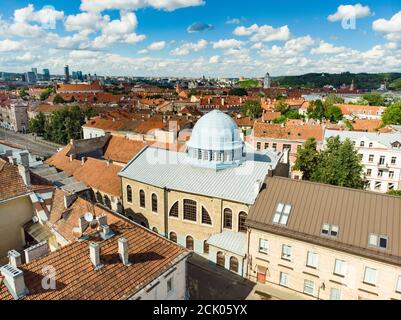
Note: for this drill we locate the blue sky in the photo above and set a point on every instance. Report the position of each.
(153, 38)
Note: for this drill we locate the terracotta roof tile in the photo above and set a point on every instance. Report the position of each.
(298, 132)
(122, 150)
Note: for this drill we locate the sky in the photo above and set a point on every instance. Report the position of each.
(194, 38)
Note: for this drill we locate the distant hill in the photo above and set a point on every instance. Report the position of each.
(318, 80)
(248, 84)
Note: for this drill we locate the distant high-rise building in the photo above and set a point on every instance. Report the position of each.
(35, 71)
(267, 82)
(80, 76)
(67, 74)
(30, 77)
(46, 75)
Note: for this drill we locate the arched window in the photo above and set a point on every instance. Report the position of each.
(174, 210)
(155, 230)
(241, 222)
(234, 264)
(154, 203)
(107, 202)
(173, 237)
(221, 259)
(189, 243)
(120, 208)
(206, 217)
(142, 200)
(205, 247)
(129, 194)
(190, 210)
(228, 219)
(99, 197)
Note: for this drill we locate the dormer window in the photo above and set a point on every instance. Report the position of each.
(282, 213)
(330, 230)
(377, 241)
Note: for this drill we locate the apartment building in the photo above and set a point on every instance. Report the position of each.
(351, 111)
(381, 157)
(14, 116)
(325, 242)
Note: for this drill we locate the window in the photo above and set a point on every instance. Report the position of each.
(205, 247)
(309, 287)
(200, 154)
(107, 202)
(189, 243)
(398, 287)
(312, 260)
(99, 197)
(362, 143)
(378, 185)
(173, 237)
(129, 194)
(393, 160)
(263, 246)
(170, 285)
(258, 145)
(380, 173)
(340, 268)
(330, 230)
(391, 174)
(287, 146)
(391, 186)
(282, 213)
(190, 211)
(228, 219)
(371, 145)
(335, 294)
(283, 279)
(174, 210)
(234, 264)
(206, 217)
(371, 158)
(369, 172)
(241, 222)
(378, 241)
(142, 200)
(286, 253)
(370, 276)
(275, 146)
(266, 146)
(221, 260)
(154, 203)
(382, 160)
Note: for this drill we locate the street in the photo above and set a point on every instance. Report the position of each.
(35, 145)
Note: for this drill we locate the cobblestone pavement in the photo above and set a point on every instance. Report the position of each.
(34, 145)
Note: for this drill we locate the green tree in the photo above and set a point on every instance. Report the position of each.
(252, 108)
(307, 158)
(374, 99)
(333, 99)
(316, 110)
(46, 94)
(395, 193)
(58, 99)
(238, 92)
(37, 124)
(333, 114)
(392, 115)
(23, 93)
(340, 165)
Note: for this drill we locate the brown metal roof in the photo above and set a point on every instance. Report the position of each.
(357, 213)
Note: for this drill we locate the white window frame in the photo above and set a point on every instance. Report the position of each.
(398, 285)
(367, 278)
(263, 250)
(340, 268)
(171, 280)
(282, 214)
(309, 284)
(312, 260)
(375, 239)
(335, 294)
(284, 279)
(286, 252)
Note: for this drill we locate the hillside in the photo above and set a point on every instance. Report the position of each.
(362, 80)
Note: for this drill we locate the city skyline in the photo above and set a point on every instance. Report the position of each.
(192, 38)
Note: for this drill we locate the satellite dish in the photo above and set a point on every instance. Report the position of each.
(88, 217)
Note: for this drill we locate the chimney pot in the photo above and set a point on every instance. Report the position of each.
(14, 281)
(94, 254)
(15, 258)
(123, 251)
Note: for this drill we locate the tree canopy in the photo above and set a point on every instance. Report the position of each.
(327, 110)
(338, 164)
(374, 99)
(238, 92)
(252, 108)
(392, 115)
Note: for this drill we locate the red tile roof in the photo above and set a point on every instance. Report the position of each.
(277, 131)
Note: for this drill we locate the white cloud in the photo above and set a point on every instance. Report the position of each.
(9, 45)
(390, 28)
(168, 5)
(86, 22)
(46, 16)
(264, 33)
(157, 45)
(350, 11)
(189, 47)
(327, 48)
(143, 51)
(214, 59)
(227, 44)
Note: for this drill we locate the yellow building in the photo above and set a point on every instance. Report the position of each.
(325, 242)
(202, 197)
